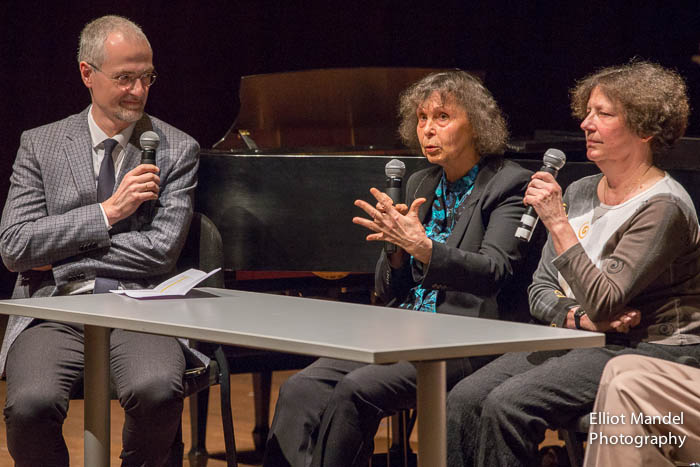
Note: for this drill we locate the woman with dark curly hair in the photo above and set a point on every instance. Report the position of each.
(456, 253)
(624, 260)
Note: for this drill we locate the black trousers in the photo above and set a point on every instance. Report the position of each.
(498, 415)
(327, 414)
(42, 366)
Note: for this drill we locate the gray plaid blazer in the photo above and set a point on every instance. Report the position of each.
(51, 215)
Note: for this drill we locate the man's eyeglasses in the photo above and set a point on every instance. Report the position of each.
(127, 80)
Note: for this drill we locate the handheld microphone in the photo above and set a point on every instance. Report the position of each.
(552, 161)
(149, 142)
(394, 171)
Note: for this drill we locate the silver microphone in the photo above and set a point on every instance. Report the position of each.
(552, 161)
(149, 142)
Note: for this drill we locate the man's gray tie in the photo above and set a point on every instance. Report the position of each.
(105, 187)
(105, 179)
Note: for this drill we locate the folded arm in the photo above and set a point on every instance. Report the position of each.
(643, 250)
(29, 236)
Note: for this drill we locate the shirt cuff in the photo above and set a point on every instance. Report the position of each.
(562, 311)
(104, 215)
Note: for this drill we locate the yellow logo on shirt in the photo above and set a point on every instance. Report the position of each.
(583, 230)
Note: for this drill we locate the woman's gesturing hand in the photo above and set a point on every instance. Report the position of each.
(398, 224)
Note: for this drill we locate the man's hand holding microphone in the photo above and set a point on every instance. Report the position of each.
(140, 185)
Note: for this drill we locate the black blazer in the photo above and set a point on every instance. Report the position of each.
(475, 270)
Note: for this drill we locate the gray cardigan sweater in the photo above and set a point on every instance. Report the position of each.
(651, 263)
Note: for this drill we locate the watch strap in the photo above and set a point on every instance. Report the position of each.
(577, 317)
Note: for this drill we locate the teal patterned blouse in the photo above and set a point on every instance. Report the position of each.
(449, 197)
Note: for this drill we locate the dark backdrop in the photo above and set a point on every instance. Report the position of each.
(532, 51)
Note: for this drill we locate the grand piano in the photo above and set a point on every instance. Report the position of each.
(280, 184)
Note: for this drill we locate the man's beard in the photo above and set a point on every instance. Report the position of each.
(128, 115)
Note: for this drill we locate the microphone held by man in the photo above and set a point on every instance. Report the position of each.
(149, 141)
(552, 161)
(139, 188)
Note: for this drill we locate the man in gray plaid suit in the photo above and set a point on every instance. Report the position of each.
(63, 238)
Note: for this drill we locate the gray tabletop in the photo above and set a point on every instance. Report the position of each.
(305, 326)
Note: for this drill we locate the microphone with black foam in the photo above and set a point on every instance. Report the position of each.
(552, 161)
(394, 171)
(149, 141)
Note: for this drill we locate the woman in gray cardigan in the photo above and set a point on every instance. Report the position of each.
(623, 257)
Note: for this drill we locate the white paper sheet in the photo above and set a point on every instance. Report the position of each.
(176, 286)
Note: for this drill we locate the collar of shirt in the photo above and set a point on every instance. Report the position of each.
(98, 136)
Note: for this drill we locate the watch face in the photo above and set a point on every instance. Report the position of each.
(579, 312)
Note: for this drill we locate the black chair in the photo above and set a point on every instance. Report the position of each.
(399, 453)
(204, 250)
(261, 364)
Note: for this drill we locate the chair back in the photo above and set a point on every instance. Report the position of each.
(203, 250)
(513, 300)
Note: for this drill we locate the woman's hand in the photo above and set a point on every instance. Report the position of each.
(544, 195)
(396, 224)
(622, 323)
(626, 320)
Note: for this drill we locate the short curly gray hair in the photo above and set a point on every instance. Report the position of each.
(93, 36)
(653, 98)
(485, 117)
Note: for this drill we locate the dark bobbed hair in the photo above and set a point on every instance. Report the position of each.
(485, 117)
(654, 100)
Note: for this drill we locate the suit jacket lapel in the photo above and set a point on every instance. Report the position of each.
(132, 152)
(426, 189)
(78, 153)
(77, 149)
(487, 169)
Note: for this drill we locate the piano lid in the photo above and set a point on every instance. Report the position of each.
(337, 109)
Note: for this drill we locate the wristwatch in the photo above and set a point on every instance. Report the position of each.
(577, 317)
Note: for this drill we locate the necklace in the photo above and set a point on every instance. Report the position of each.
(636, 184)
